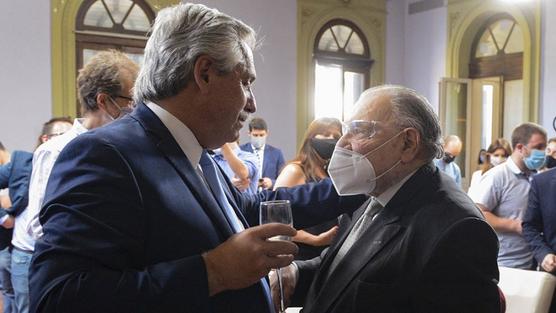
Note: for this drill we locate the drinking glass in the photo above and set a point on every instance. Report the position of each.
(277, 211)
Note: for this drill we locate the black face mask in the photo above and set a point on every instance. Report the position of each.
(448, 158)
(550, 162)
(324, 147)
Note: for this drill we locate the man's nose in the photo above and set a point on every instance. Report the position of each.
(344, 142)
(251, 106)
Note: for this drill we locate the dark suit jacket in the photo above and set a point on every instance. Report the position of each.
(15, 175)
(429, 250)
(273, 160)
(126, 219)
(539, 222)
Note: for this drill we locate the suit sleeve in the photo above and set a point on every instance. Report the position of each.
(461, 273)
(19, 187)
(5, 171)
(533, 224)
(311, 204)
(92, 255)
(279, 164)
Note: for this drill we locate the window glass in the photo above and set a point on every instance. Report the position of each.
(515, 43)
(98, 16)
(118, 9)
(355, 45)
(137, 20)
(327, 42)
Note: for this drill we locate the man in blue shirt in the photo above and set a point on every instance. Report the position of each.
(240, 166)
(452, 148)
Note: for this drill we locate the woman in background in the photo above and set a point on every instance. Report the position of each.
(497, 153)
(310, 166)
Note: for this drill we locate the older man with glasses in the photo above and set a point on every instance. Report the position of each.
(419, 244)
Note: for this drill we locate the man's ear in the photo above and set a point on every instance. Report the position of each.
(411, 145)
(202, 71)
(102, 99)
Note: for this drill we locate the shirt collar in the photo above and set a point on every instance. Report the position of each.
(255, 149)
(387, 195)
(78, 127)
(181, 133)
(513, 167)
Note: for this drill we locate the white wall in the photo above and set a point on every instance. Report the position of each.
(25, 74)
(425, 51)
(547, 110)
(395, 50)
(275, 62)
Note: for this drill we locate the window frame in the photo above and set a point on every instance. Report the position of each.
(507, 65)
(348, 62)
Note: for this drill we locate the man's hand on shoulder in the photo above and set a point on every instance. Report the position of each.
(248, 256)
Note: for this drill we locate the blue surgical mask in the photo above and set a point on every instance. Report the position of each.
(535, 160)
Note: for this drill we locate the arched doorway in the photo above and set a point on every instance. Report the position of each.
(492, 74)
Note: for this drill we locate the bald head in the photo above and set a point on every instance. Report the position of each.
(453, 145)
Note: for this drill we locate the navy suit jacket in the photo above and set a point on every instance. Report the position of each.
(273, 160)
(539, 222)
(15, 175)
(126, 219)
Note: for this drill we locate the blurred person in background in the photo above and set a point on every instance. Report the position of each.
(240, 166)
(309, 166)
(104, 88)
(452, 149)
(550, 154)
(498, 152)
(271, 159)
(502, 194)
(15, 176)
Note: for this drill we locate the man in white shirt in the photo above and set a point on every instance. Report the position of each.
(104, 87)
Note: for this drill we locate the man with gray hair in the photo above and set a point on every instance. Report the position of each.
(137, 215)
(419, 244)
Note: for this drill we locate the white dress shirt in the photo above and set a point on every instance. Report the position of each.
(187, 142)
(181, 133)
(260, 154)
(27, 226)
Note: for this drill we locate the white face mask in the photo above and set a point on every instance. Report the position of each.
(497, 160)
(258, 141)
(352, 173)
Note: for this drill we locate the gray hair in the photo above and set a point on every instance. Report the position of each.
(180, 35)
(412, 110)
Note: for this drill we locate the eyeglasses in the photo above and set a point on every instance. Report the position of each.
(129, 99)
(49, 136)
(360, 129)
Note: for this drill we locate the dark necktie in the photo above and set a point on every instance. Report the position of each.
(356, 232)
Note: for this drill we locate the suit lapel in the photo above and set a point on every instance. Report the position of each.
(380, 233)
(267, 161)
(384, 229)
(175, 156)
